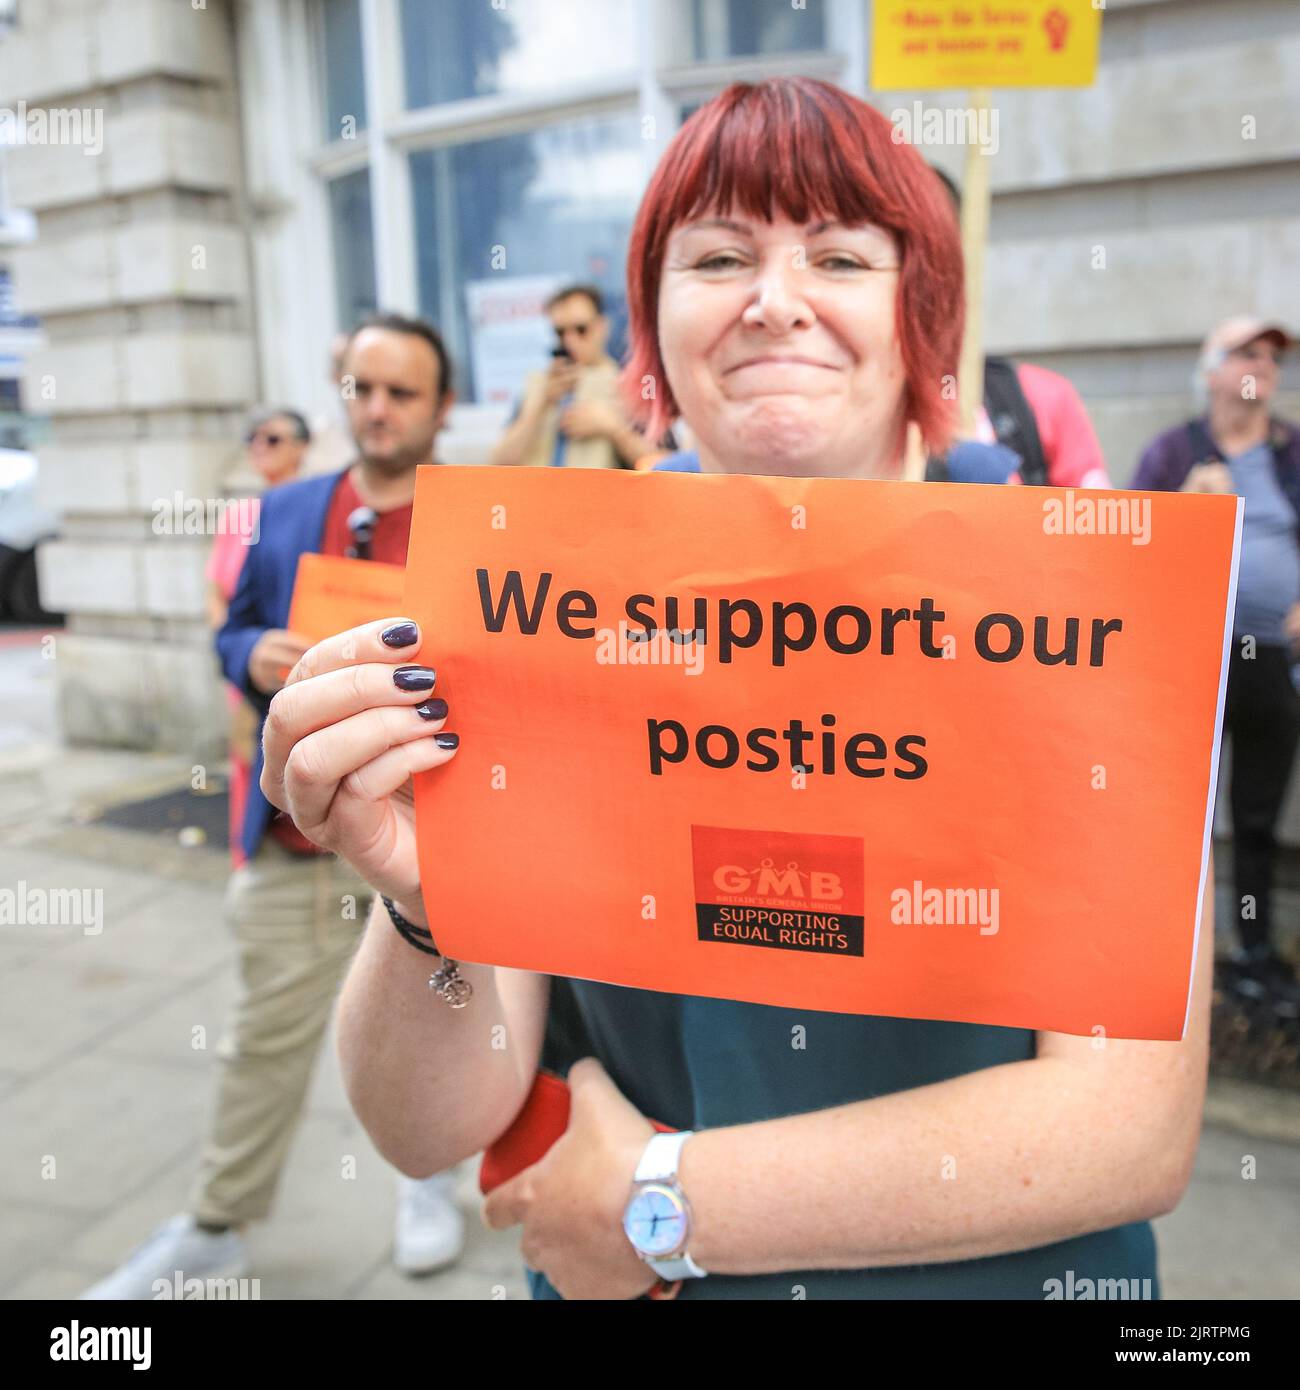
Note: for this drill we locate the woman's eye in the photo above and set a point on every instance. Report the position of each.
(722, 260)
(841, 263)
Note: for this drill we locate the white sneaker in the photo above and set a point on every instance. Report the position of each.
(175, 1252)
(430, 1229)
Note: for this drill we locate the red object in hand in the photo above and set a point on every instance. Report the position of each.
(544, 1117)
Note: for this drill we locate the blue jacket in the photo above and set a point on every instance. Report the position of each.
(291, 523)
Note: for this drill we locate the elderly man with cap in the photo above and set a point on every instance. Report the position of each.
(1239, 446)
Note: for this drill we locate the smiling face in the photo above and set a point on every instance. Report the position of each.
(780, 346)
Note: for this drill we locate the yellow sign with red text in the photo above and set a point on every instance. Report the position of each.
(1016, 43)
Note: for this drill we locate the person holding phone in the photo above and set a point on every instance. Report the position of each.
(795, 284)
(571, 415)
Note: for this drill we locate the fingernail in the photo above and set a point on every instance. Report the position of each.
(448, 741)
(399, 635)
(432, 709)
(414, 678)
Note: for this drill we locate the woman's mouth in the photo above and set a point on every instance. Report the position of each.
(780, 360)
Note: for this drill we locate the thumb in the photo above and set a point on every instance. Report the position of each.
(507, 1205)
(592, 1091)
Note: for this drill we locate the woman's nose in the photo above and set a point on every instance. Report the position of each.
(778, 303)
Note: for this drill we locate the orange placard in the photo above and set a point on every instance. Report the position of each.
(927, 750)
(332, 593)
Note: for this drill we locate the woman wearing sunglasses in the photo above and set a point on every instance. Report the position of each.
(275, 440)
(795, 285)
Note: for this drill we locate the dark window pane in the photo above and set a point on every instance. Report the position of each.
(345, 86)
(456, 49)
(494, 215)
(744, 28)
(354, 246)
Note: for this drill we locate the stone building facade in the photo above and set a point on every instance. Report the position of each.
(140, 276)
(270, 168)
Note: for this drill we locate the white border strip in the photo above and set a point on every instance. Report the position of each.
(1230, 613)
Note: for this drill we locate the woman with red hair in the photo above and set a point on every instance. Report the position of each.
(796, 293)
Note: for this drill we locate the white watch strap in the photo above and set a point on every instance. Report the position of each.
(660, 1157)
(659, 1161)
(683, 1267)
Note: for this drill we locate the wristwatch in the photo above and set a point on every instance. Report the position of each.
(657, 1219)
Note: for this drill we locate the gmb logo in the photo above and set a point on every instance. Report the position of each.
(789, 882)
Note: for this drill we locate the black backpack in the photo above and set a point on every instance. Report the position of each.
(1012, 419)
(1013, 423)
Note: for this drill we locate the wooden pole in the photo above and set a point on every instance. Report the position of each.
(975, 197)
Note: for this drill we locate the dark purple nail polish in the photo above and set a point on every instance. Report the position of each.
(447, 741)
(399, 635)
(432, 709)
(414, 677)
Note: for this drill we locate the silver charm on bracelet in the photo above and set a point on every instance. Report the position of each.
(448, 982)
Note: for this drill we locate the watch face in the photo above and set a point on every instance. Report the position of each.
(655, 1220)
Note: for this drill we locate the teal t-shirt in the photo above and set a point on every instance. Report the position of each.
(702, 1063)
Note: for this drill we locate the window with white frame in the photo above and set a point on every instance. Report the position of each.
(736, 28)
(455, 52)
(475, 144)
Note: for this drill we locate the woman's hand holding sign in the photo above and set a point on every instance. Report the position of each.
(342, 739)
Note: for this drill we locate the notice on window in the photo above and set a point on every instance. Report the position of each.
(509, 333)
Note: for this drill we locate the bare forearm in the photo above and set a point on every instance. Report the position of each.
(519, 439)
(1002, 1159)
(631, 444)
(432, 1084)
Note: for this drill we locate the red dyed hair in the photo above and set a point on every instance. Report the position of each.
(813, 151)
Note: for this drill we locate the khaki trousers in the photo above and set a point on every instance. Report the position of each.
(297, 920)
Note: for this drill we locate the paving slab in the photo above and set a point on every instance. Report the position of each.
(55, 1280)
(53, 1011)
(1234, 1236)
(184, 1029)
(32, 1235)
(109, 1124)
